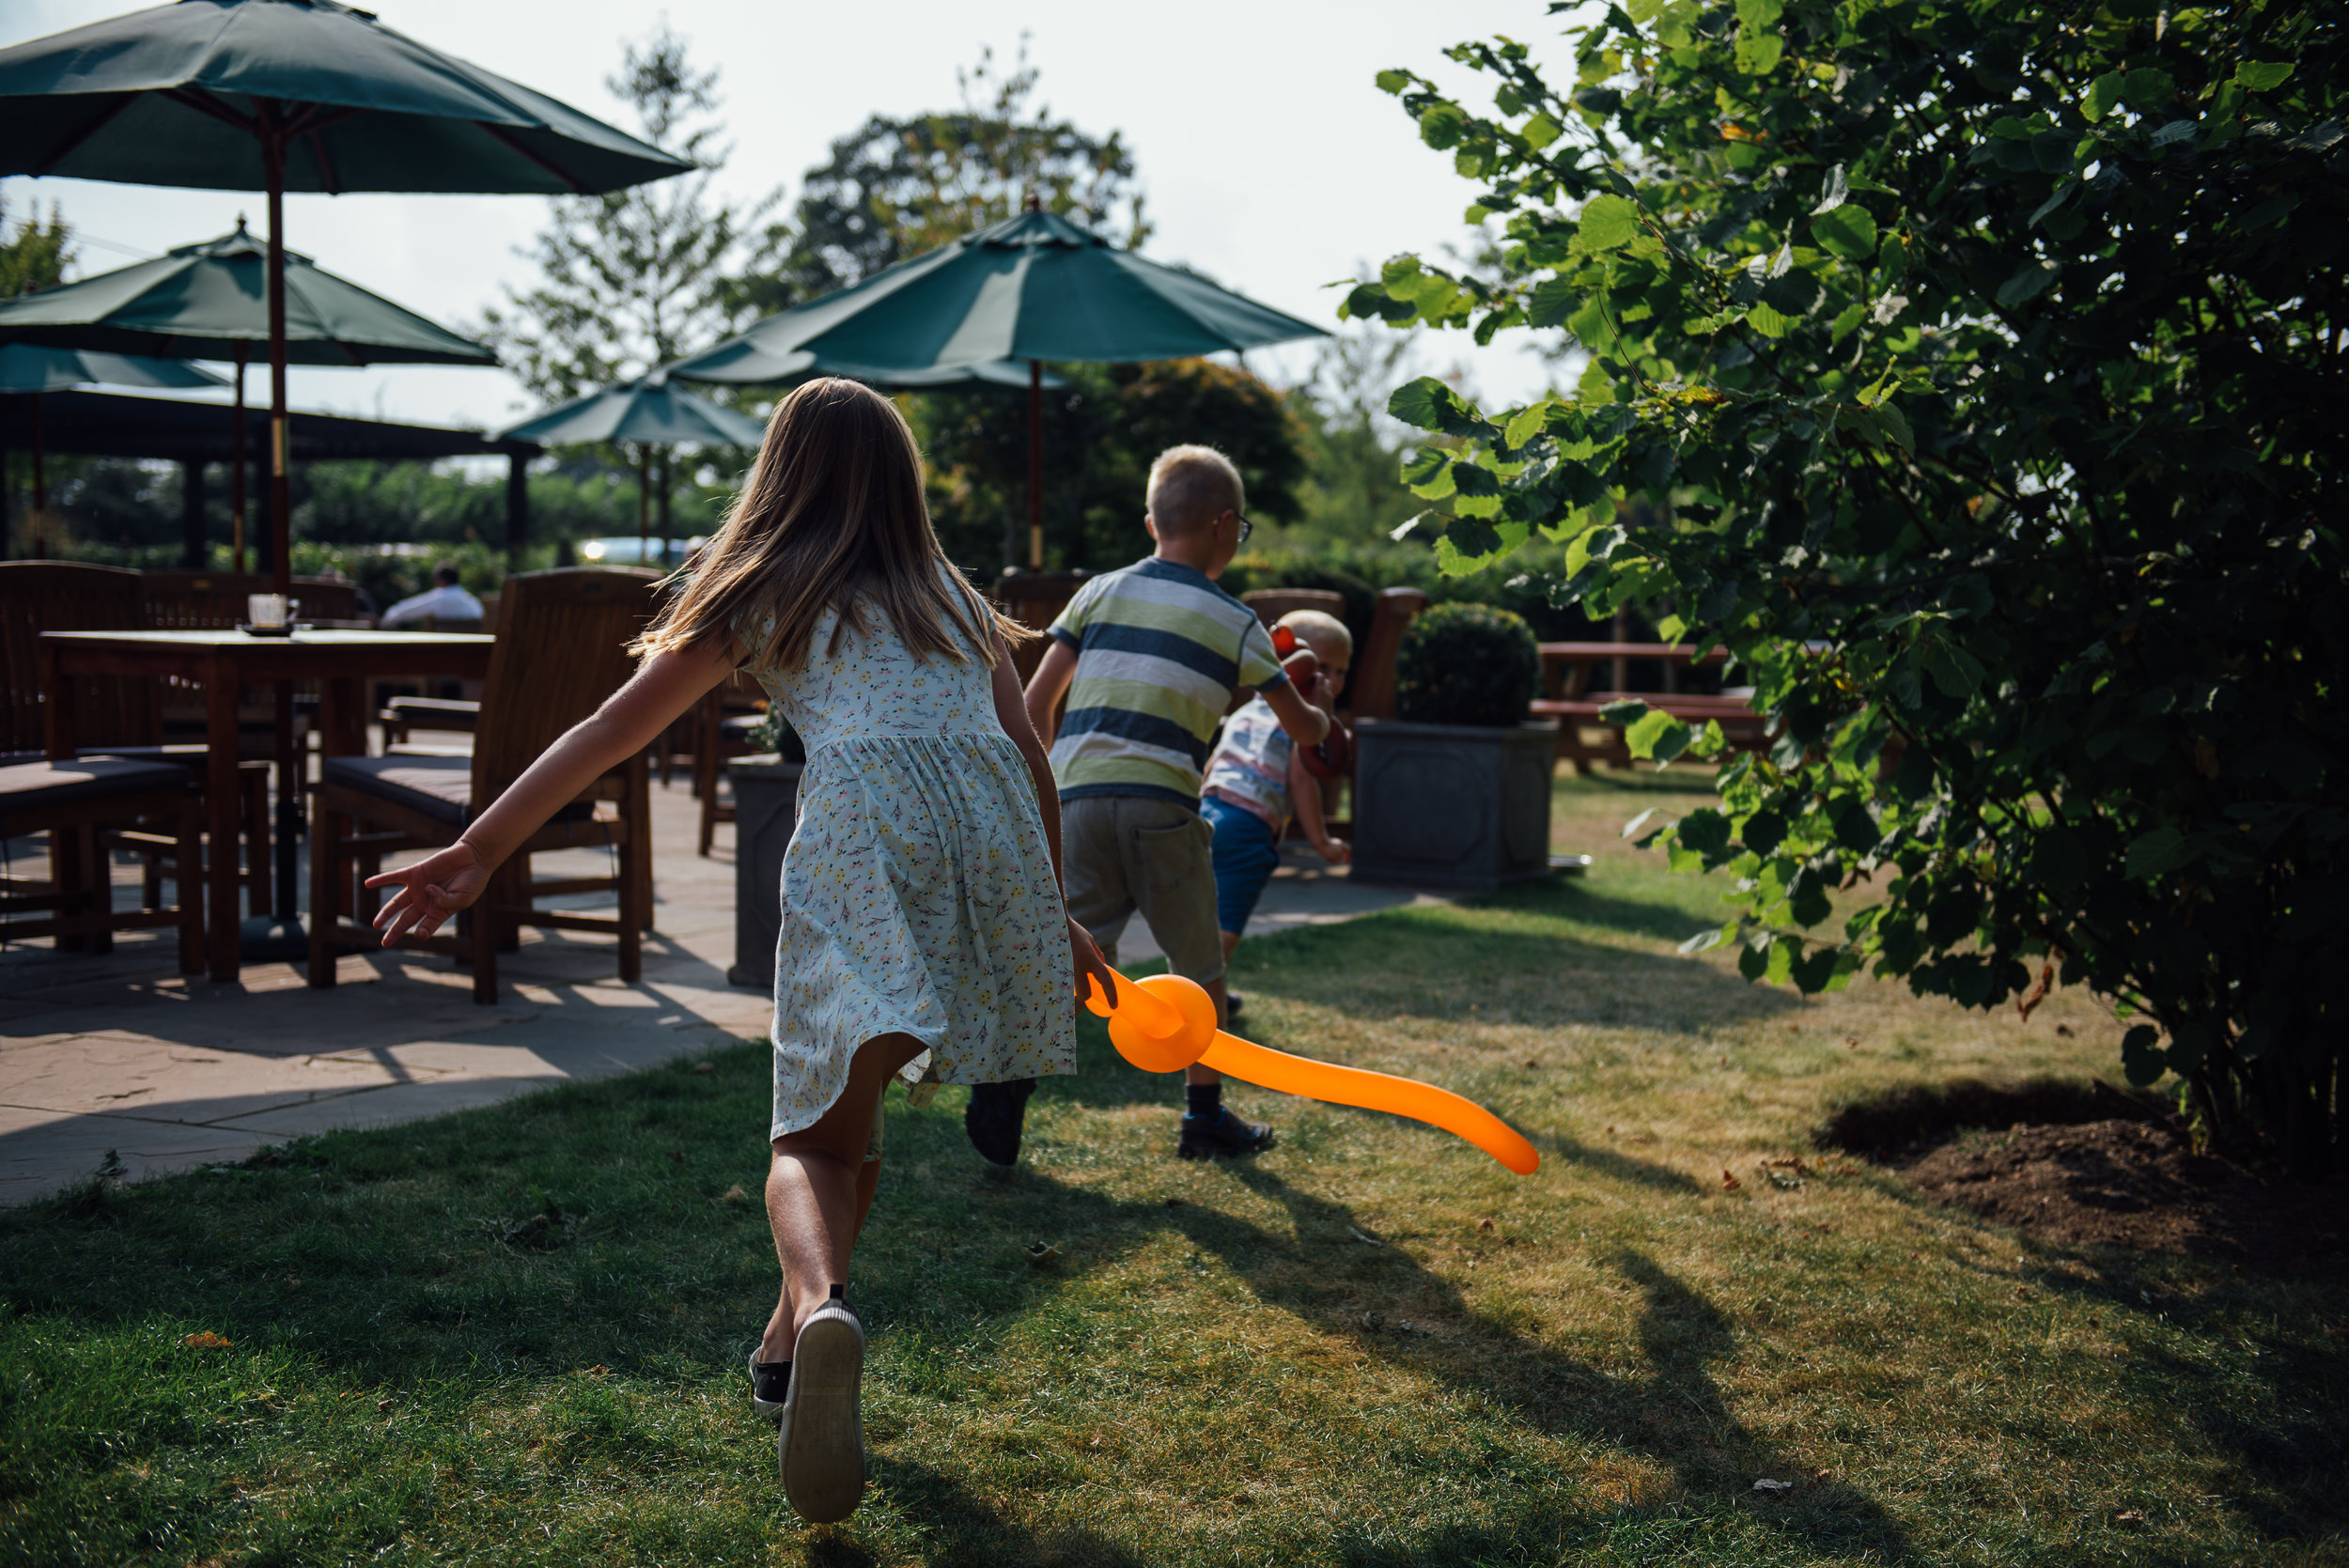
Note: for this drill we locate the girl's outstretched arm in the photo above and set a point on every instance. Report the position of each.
(1013, 713)
(445, 881)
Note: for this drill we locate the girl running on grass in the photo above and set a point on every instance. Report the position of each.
(923, 934)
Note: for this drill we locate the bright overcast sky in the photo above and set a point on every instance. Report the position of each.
(1267, 158)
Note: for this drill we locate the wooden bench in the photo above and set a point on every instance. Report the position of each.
(1566, 676)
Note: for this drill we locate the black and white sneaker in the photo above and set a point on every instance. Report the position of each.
(1221, 1136)
(770, 1381)
(820, 1441)
(997, 1114)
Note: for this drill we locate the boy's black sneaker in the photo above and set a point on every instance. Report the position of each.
(994, 1118)
(1222, 1134)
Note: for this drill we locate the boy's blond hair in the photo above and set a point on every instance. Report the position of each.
(1191, 487)
(1317, 628)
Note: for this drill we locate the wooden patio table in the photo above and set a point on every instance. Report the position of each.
(225, 663)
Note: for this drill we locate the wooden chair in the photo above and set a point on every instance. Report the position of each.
(116, 716)
(724, 723)
(216, 599)
(80, 805)
(1370, 692)
(1270, 604)
(561, 642)
(1036, 600)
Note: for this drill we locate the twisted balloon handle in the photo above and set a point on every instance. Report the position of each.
(1165, 1023)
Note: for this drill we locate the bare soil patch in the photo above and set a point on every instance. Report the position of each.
(2084, 1165)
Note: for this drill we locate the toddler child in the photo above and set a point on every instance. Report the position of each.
(924, 933)
(1257, 778)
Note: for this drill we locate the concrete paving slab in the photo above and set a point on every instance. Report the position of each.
(41, 1151)
(121, 1052)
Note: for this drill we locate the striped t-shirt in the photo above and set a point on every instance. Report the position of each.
(1160, 650)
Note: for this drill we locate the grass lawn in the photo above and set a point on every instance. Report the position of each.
(516, 1335)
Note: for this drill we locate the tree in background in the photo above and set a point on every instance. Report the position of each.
(632, 279)
(1981, 368)
(895, 188)
(1099, 437)
(37, 253)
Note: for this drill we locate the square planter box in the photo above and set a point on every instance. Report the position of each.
(766, 809)
(1460, 807)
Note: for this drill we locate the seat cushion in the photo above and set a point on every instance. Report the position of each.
(434, 713)
(740, 728)
(33, 786)
(439, 786)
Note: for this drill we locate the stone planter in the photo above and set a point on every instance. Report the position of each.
(1463, 808)
(766, 809)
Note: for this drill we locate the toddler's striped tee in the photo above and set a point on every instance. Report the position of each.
(1160, 650)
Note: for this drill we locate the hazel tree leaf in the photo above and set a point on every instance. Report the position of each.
(1838, 187)
(2263, 75)
(2026, 284)
(1848, 229)
(1608, 222)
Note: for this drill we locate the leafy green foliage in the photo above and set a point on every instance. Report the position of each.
(1467, 664)
(1099, 437)
(37, 255)
(1980, 376)
(634, 278)
(896, 187)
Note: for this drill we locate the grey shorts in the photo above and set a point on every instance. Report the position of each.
(1121, 853)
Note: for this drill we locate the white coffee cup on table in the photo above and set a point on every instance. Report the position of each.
(266, 611)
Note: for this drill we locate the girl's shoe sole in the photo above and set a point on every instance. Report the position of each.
(820, 1449)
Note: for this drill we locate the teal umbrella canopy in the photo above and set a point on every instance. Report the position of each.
(211, 301)
(1032, 288)
(197, 93)
(26, 368)
(649, 411)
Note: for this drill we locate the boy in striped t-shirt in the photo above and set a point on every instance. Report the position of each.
(1150, 657)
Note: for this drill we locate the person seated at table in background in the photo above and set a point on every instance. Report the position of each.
(1257, 780)
(444, 601)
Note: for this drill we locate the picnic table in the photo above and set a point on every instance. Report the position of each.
(224, 662)
(1567, 668)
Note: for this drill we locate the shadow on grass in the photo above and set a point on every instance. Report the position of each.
(964, 1528)
(1432, 966)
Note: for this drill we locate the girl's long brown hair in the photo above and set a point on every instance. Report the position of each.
(832, 518)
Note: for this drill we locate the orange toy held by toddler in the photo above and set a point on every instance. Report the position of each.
(1332, 756)
(1165, 1023)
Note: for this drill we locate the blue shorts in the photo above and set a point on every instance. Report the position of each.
(1246, 856)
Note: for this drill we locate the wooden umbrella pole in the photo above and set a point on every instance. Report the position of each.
(1035, 465)
(37, 524)
(668, 483)
(644, 497)
(280, 489)
(236, 482)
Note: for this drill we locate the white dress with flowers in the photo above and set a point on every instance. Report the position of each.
(918, 895)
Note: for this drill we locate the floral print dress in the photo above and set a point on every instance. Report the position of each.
(918, 895)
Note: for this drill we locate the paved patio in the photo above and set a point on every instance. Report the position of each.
(121, 1053)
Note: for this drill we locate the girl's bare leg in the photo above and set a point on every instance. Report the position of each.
(819, 1188)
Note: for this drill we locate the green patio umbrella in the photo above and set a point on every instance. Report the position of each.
(211, 300)
(292, 95)
(26, 368)
(1032, 288)
(650, 413)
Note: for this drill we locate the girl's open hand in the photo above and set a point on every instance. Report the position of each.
(1086, 963)
(430, 891)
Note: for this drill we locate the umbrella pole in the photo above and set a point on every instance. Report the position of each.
(1035, 465)
(668, 483)
(34, 524)
(289, 766)
(236, 483)
(280, 499)
(644, 499)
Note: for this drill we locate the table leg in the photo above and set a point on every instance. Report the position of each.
(290, 788)
(221, 796)
(342, 733)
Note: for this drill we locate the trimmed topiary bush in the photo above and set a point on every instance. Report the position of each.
(1467, 664)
